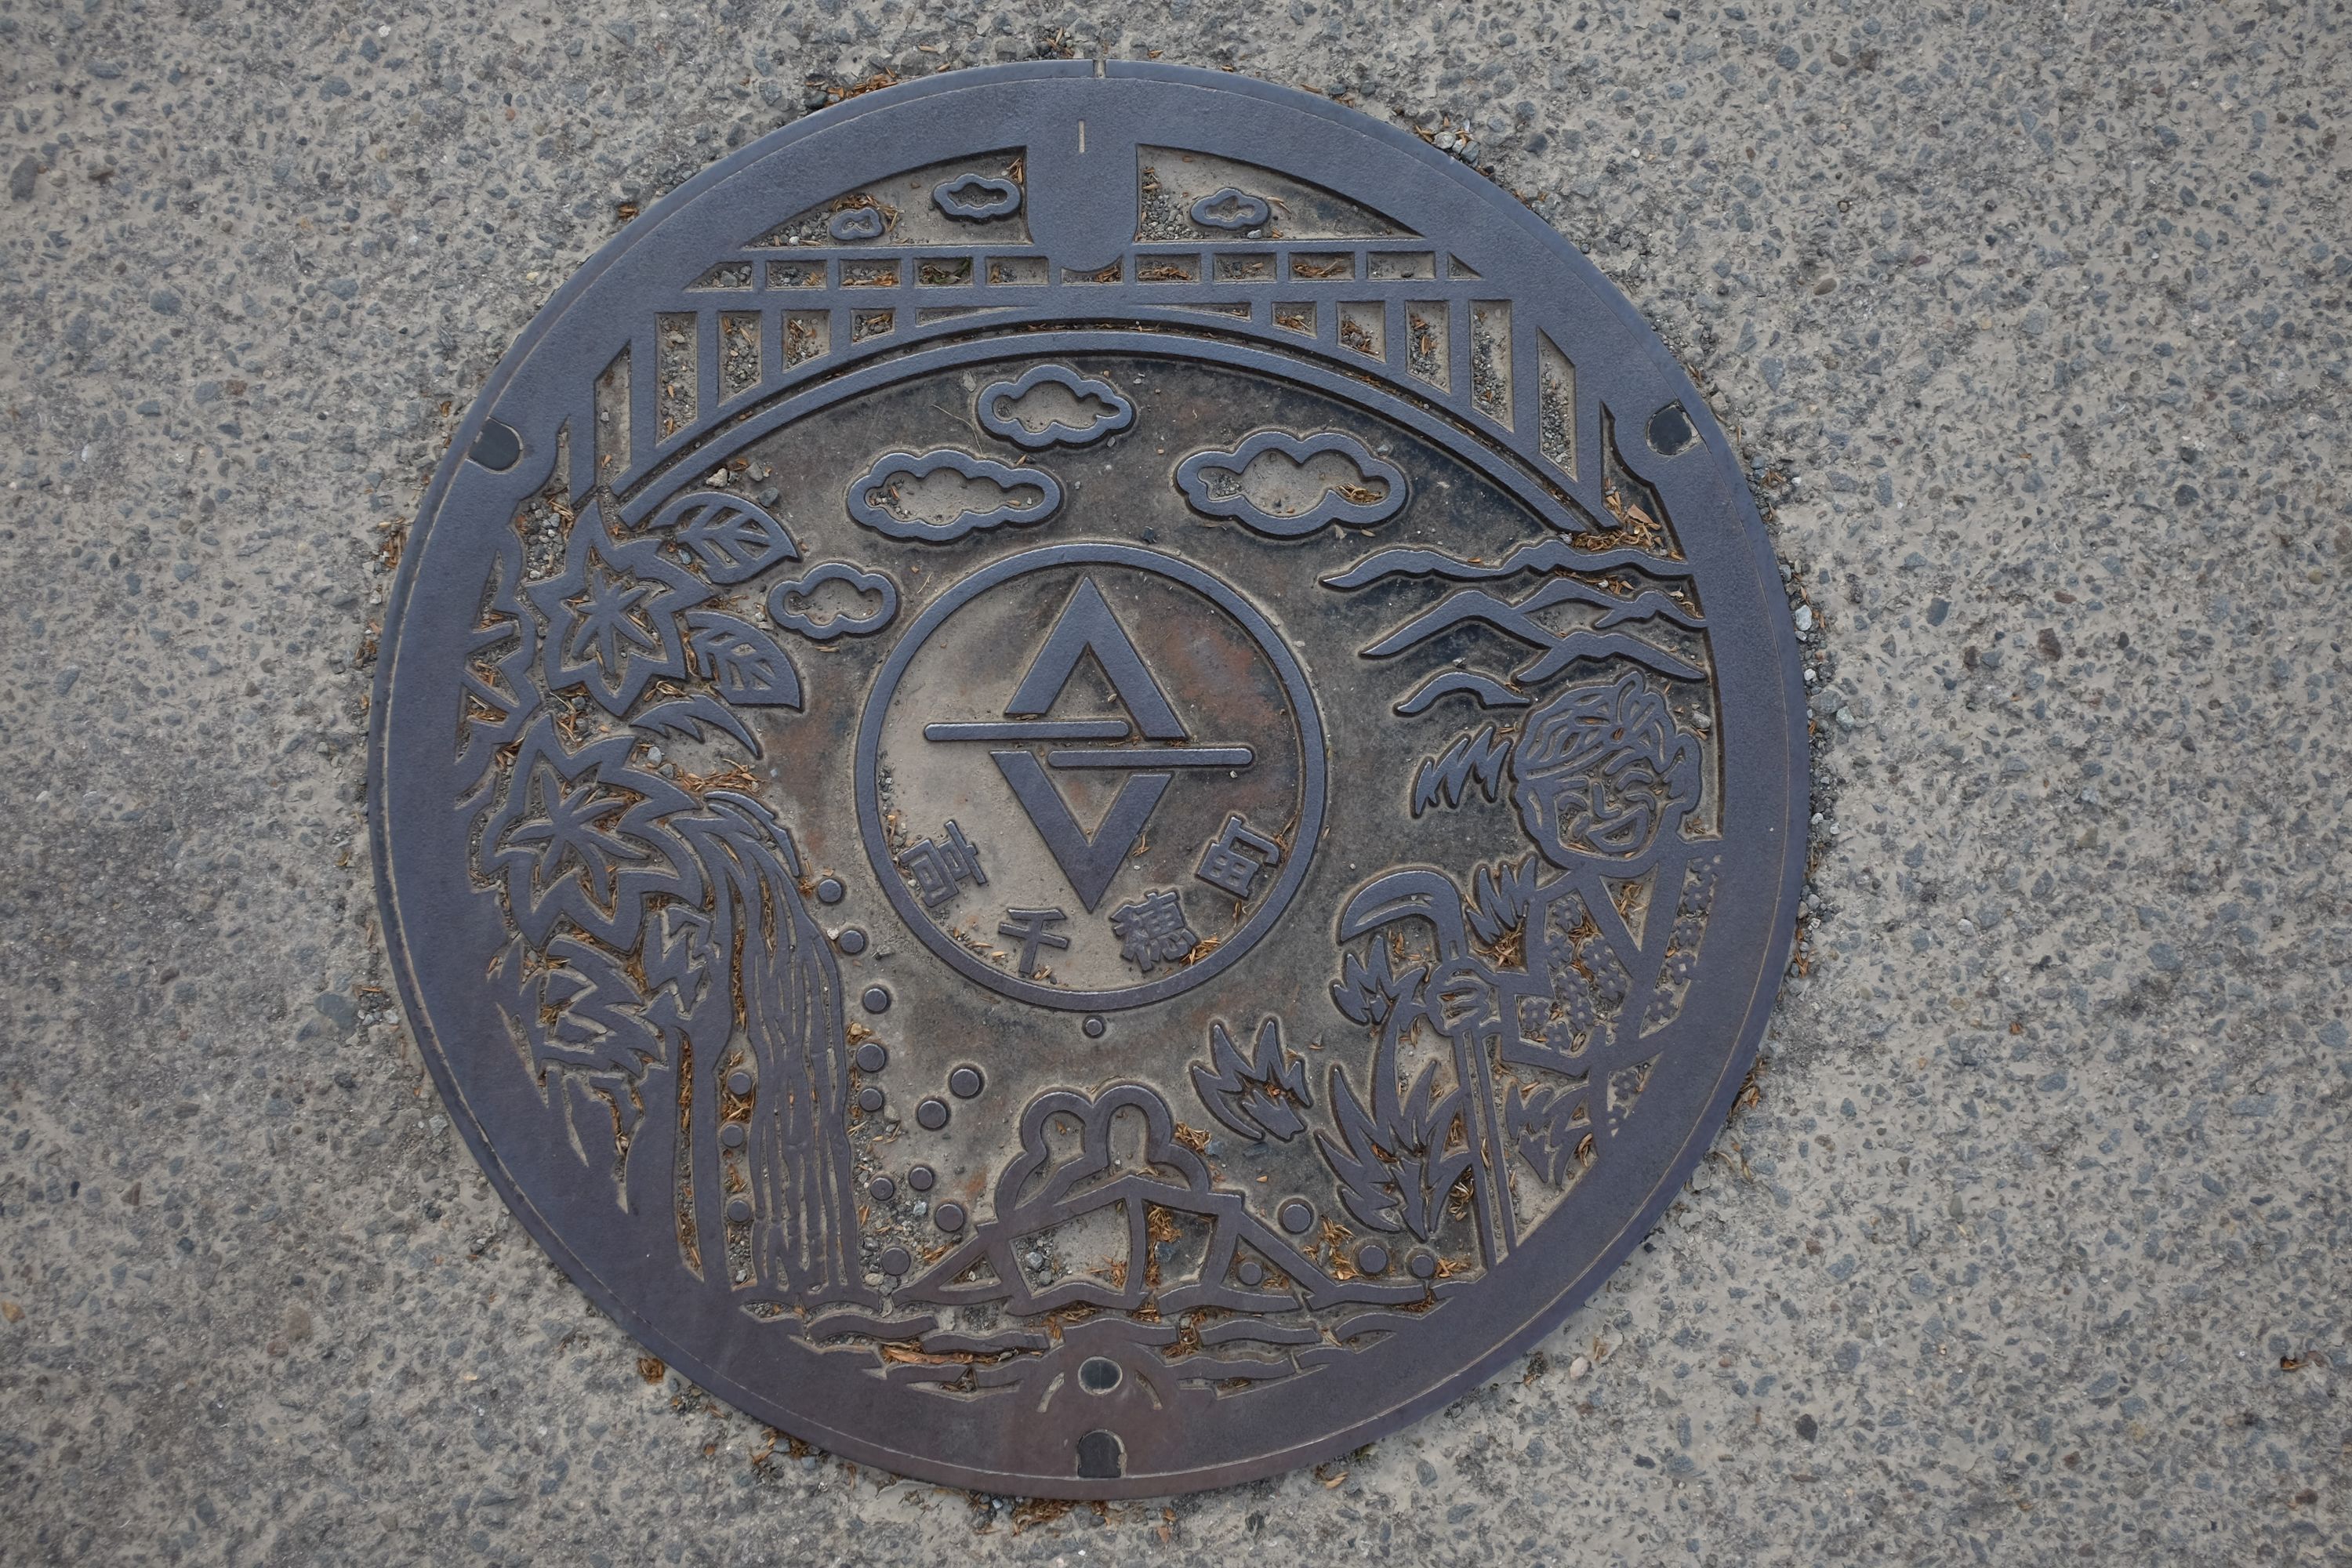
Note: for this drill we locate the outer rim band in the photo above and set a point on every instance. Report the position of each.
(1543, 1305)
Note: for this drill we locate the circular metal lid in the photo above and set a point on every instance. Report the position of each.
(1087, 779)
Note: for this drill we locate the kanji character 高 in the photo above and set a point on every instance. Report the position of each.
(939, 870)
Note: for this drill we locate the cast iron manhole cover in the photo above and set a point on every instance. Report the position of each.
(1088, 780)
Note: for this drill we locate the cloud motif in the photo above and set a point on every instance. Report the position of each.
(856, 223)
(1231, 208)
(977, 198)
(1287, 487)
(1051, 402)
(817, 627)
(943, 495)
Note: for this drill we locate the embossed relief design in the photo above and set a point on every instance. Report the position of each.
(1065, 806)
(1514, 1009)
(871, 797)
(666, 986)
(1186, 195)
(1553, 976)
(963, 199)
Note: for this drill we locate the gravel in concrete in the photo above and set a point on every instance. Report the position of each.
(2032, 1247)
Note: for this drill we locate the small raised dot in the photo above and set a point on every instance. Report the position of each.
(876, 999)
(850, 940)
(738, 1083)
(895, 1261)
(731, 1136)
(869, 1099)
(964, 1082)
(1093, 1028)
(948, 1216)
(882, 1189)
(829, 890)
(872, 1057)
(932, 1114)
(1251, 1272)
(920, 1178)
(1296, 1216)
(1371, 1258)
(739, 1209)
(1424, 1265)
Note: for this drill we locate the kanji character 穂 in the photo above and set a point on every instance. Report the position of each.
(1152, 931)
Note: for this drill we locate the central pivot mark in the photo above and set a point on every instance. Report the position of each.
(1090, 861)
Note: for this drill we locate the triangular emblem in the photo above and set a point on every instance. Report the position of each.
(1090, 860)
(1087, 625)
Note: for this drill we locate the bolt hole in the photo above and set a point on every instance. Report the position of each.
(1098, 1374)
(1670, 430)
(497, 447)
(1100, 1456)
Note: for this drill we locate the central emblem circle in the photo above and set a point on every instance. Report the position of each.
(1090, 776)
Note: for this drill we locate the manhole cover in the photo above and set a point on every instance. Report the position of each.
(1088, 780)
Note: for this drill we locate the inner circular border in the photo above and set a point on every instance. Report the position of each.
(1314, 775)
